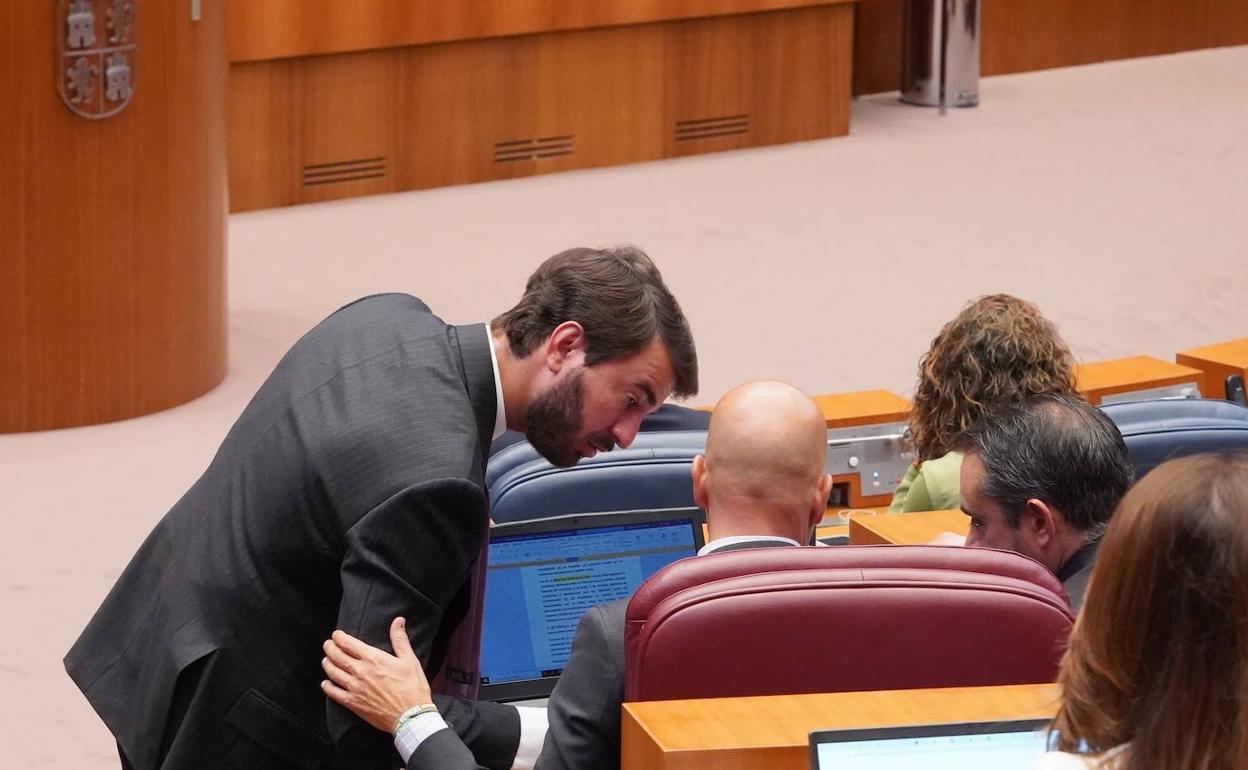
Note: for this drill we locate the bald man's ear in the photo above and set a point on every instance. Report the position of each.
(698, 472)
(819, 505)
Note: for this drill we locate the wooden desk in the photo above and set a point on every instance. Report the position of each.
(1127, 375)
(863, 407)
(864, 476)
(771, 733)
(860, 407)
(280, 29)
(1216, 363)
(831, 530)
(905, 528)
(839, 515)
(340, 98)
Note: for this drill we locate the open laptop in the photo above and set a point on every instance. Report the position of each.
(965, 746)
(543, 575)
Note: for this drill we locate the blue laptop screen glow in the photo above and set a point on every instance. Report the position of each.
(539, 586)
(944, 752)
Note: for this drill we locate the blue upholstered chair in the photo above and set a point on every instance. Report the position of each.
(652, 473)
(1160, 430)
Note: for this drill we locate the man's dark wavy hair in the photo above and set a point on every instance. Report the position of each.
(617, 296)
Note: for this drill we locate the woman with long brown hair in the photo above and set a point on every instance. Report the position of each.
(1155, 677)
(998, 349)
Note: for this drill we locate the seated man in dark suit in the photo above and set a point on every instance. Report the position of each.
(1042, 478)
(761, 484)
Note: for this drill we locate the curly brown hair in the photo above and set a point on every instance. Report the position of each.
(998, 349)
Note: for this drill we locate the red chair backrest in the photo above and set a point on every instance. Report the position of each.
(776, 621)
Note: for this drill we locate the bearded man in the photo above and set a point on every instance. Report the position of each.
(351, 491)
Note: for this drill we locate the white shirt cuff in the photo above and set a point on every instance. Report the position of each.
(533, 726)
(416, 731)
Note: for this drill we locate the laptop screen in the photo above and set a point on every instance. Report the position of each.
(973, 746)
(542, 575)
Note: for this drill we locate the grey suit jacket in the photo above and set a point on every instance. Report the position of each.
(349, 491)
(584, 709)
(1076, 572)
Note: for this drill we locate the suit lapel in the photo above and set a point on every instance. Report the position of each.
(474, 351)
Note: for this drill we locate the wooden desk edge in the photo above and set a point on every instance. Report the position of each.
(666, 725)
(875, 529)
(1233, 353)
(1103, 378)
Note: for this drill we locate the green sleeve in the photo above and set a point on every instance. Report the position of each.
(942, 479)
(933, 486)
(903, 490)
(918, 498)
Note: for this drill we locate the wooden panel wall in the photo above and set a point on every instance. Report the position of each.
(1025, 35)
(272, 29)
(112, 232)
(877, 46)
(327, 127)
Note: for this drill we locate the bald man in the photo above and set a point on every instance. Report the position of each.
(762, 485)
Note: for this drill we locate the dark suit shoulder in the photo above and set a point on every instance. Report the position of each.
(584, 709)
(608, 621)
(395, 298)
(370, 401)
(1077, 587)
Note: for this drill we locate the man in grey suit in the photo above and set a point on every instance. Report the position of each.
(351, 490)
(761, 484)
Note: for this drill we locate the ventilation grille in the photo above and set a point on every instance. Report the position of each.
(533, 149)
(343, 171)
(705, 128)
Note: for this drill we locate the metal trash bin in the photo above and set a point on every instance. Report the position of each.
(940, 65)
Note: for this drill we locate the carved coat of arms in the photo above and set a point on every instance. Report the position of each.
(95, 55)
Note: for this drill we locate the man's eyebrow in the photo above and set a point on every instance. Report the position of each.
(649, 391)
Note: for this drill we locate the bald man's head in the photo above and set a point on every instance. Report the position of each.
(763, 468)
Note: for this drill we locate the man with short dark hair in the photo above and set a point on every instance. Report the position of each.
(351, 490)
(1042, 478)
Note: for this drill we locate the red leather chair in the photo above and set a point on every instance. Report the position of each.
(774, 621)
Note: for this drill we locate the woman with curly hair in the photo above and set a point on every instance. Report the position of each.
(998, 349)
(1156, 675)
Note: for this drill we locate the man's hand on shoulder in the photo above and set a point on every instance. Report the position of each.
(377, 686)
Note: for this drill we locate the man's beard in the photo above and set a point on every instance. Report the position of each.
(553, 421)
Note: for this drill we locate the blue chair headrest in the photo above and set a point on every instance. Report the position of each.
(523, 453)
(1163, 429)
(652, 473)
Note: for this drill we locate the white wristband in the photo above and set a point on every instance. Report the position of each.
(410, 714)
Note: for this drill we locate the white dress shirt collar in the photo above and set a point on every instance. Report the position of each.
(722, 542)
(500, 418)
